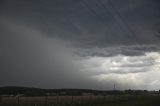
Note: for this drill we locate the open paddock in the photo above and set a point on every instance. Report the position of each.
(110, 100)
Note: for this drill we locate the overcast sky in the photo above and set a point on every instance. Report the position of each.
(80, 44)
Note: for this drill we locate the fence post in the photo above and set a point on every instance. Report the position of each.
(0, 99)
(46, 100)
(72, 100)
(57, 97)
(18, 100)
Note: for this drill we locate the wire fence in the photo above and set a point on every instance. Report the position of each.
(58, 100)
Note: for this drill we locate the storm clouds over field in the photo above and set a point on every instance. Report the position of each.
(80, 43)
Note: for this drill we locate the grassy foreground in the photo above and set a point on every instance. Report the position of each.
(94, 101)
(133, 101)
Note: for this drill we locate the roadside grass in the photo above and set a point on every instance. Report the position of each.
(114, 101)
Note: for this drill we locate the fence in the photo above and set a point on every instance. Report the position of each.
(54, 100)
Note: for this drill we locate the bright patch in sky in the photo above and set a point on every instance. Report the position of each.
(135, 72)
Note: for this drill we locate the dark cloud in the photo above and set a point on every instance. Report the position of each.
(93, 23)
(134, 50)
(44, 43)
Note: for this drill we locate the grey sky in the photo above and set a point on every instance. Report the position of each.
(80, 43)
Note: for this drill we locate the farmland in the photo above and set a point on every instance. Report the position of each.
(24, 96)
(110, 100)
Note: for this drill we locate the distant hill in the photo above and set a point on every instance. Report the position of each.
(29, 91)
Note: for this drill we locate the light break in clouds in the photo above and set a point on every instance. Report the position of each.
(80, 44)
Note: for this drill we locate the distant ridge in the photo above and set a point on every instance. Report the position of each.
(31, 91)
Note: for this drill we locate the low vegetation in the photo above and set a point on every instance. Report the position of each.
(21, 96)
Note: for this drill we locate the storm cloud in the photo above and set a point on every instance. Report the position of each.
(80, 44)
